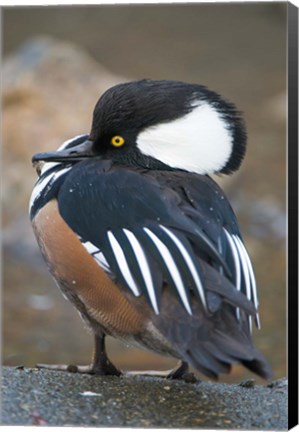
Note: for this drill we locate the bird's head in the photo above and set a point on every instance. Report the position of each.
(162, 125)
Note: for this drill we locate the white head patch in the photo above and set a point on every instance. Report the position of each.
(199, 142)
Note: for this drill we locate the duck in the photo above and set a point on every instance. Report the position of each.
(141, 239)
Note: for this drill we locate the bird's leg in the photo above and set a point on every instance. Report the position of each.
(180, 372)
(100, 365)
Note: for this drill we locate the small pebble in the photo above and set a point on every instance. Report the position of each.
(20, 367)
(90, 393)
(247, 383)
(189, 378)
(72, 368)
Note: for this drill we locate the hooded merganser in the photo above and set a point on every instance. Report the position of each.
(138, 236)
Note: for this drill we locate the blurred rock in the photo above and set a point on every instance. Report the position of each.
(49, 91)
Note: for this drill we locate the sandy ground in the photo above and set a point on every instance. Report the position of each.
(31, 397)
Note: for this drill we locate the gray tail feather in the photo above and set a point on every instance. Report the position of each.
(211, 344)
(212, 359)
(216, 355)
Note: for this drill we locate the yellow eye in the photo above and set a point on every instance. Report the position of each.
(117, 141)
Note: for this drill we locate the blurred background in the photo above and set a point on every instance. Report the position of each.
(57, 62)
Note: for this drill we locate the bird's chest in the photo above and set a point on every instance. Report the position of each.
(84, 282)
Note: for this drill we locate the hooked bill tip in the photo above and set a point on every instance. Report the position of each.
(38, 166)
(39, 157)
